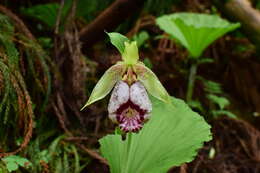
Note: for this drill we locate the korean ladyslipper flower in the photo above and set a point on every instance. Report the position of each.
(129, 105)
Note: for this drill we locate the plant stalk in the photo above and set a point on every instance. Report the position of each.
(129, 138)
(191, 82)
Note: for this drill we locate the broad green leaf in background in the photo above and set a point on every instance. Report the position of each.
(105, 84)
(118, 40)
(195, 31)
(170, 138)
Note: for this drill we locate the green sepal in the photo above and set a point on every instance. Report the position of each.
(106, 83)
(151, 82)
(130, 55)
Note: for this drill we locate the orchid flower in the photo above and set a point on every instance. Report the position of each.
(129, 105)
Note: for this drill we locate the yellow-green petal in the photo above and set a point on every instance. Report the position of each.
(151, 82)
(130, 55)
(106, 83)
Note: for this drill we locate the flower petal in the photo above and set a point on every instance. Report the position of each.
(120, 95)
(151, 82)
(130, 54)
(130, 124)
(106, 83)
(138, 96)
(147, 116)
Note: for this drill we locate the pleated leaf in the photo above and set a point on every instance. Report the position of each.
(170, 138)
(195, 31)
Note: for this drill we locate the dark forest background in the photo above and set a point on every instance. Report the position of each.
(52, 53)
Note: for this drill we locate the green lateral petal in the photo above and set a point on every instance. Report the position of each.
(151, 82)
(106, 83)
(130, 55)
(171, 137)
(195, 31)
(118, 40)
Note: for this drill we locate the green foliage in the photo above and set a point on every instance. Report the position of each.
(148, 63)
(21, 61)
(140, 38)
(13, 162)
(213, 89)
(88, 9)
(218, 113)
(211, 86)
(46, 13)
(9, 58)
(203, 60)
(222, 102)
(59, 154)
(170, 138)
(195, 31)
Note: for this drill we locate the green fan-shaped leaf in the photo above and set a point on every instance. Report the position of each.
(170, 138)
(105, 84)
(118, 40)
(195, 31)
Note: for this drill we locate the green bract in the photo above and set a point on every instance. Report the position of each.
(129, 52)
(195, 31)
(171, 137)
(118, 40)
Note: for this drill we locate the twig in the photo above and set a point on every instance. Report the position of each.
(110, 18)
(243, 12)
(93, 154)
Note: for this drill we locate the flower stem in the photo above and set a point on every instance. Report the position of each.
(129, 141)
(192, 77)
